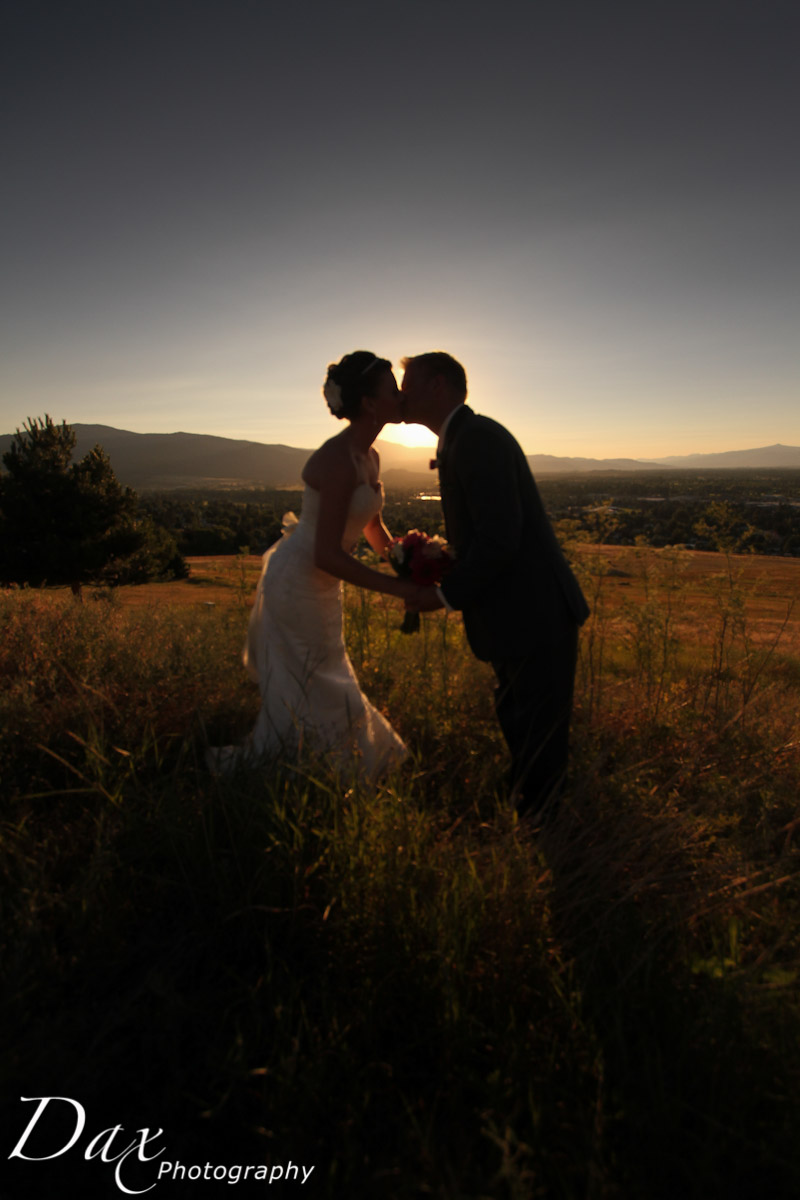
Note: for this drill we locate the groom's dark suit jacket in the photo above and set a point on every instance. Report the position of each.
(511, 581)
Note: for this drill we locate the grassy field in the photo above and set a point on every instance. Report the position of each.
(406, 990)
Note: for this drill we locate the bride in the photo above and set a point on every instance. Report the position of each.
(295, 647)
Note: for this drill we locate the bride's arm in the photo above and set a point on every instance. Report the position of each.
(337, 483)
(378, 536)
(375, 531)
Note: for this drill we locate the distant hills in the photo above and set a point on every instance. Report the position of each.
(164, 461)
(766, 456)
(174, 460)
(549, 464)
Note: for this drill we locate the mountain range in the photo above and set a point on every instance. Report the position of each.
(163, 461)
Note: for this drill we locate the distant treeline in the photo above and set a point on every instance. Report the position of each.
(232, 522)
(737, 511)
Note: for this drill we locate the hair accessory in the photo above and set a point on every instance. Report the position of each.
(333, 394)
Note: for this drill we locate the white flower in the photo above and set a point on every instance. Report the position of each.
(333, 394)
(434, 547)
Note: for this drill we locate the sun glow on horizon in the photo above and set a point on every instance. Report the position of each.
(411, 435)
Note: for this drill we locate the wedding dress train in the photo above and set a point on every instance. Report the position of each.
(295, 651)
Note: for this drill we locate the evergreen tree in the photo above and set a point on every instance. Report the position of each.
(65, 522)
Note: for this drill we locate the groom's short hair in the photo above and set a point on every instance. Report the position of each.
(437, 362)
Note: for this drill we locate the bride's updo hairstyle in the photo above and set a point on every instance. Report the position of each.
(355, 376)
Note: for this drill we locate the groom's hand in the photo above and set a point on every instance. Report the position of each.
(425, 600)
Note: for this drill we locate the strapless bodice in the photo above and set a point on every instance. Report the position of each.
(365, 503)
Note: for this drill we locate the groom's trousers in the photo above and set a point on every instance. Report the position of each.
(533, 701)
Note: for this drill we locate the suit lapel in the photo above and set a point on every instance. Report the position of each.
(446, 492)
(456, 421)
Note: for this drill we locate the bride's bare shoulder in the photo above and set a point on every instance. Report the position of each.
(333, 460)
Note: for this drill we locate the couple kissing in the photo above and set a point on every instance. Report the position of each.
(520, 602)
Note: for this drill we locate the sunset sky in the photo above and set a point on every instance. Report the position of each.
(594, 205)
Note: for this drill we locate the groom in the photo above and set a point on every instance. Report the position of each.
(521, 604)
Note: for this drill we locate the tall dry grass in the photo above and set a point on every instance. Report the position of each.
(406, 987)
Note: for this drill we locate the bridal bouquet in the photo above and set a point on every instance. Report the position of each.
(422, 559)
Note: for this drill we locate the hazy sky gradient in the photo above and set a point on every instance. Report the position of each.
(592, 205)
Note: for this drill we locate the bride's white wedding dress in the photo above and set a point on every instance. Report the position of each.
(295, 651)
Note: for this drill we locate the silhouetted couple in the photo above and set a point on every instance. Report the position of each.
(521, 603)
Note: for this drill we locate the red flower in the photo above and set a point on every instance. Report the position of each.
(425, 570)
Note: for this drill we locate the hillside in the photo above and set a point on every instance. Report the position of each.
(375, 980)
(766, 456)
(163, 461)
